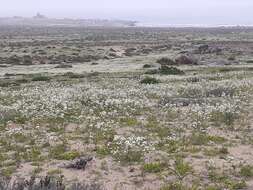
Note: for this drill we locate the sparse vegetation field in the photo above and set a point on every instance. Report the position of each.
(126, 108)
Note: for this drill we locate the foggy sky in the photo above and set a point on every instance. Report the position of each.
(210, 12)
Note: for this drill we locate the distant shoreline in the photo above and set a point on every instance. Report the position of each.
(41, 20)
(162, 25)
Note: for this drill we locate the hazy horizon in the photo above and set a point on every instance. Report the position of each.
(181, 12)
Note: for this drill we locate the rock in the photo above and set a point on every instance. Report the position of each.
(186, 60)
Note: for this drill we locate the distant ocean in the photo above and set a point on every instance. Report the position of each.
(150, 24)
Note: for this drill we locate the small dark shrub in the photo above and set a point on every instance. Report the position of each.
(27, 60)
(165, 70)
(74, 75)
(249, 61)
(149, 80)
(231, 58)
(152, 72)
(246, 171)
(153, 167)
(146, 66)
(186, 60)
(8, 83)
(129, 157)
(166, 61)
(174, 186)
(223, 150)
(41, 78)
(22, 80)
(221, 91)
(63, 66)
(193, 79)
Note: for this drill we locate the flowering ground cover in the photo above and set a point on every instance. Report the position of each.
(143, 129)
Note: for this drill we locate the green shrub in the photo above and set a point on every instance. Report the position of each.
(217, 139)
(22, 80)
(182, 168)
(36, 170)
(231, 58)
(41, 78)
(238, 185)
(223, 150)
(102, 151)
(246, 171)
(35, 154)
(153, 167)
(154, 126)
(129, 121)
(54, 172)
(57, 151)
(3, 157)
(213, 188)
(199, 139)
(152, 72)
(149, 80)
(146, 66)
(165, 70)
(129, 156)
(166, 61)
(19, 137)
(174, 186)
(249, 61)
(74, 75)
(8, 83)
(203, 139)
(8, 171)
(216, 151)
(70, 155)
(227, 117)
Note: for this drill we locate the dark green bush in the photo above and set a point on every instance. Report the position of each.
(41, 78)
(152, 72)
(153, 167)
(149, 80)
(166, 61)
(74, 75)
(165, 70)
(246, 171)
(146, 66)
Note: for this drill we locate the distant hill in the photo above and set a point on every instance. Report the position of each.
(41, 20)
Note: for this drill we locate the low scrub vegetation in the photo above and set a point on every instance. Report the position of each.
(149, 80)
